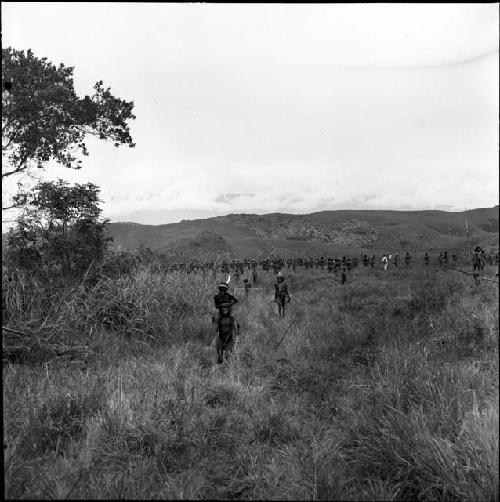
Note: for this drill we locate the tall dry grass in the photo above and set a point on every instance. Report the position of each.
(384, 388)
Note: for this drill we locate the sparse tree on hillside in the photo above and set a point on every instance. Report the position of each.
(59, 229)
(43, 119)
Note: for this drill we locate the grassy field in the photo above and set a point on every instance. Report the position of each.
(383, 388)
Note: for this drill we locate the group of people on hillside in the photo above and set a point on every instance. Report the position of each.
(387, 257)
(332, 264)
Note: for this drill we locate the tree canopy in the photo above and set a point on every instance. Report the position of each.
(43, 119)
(59, 228)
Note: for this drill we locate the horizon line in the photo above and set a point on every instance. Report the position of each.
(304, 214)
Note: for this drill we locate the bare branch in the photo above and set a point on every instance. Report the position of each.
(22, 166)
(15, 171)
(14, 206)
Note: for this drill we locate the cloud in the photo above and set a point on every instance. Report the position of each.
(226, 198)
(161, 217)
(444, 207)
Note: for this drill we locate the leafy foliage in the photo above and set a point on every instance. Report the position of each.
(59, 229)
(43, 119)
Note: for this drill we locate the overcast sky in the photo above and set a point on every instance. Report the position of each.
(295, 108)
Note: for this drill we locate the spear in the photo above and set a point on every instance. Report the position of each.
(467, 234)
(283, 337)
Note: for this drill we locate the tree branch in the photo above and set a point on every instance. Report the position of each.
(14, 206)
(15, 171)
(22, 166)
(4, 147)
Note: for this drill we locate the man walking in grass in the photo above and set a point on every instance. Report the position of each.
(226, 328)
(281, 296)
(221, 300)
(477, 259)
(344, 274)
(247, 287)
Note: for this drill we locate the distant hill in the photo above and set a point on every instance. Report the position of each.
(321, 233)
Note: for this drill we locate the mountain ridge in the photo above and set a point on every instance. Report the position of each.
(322, 232)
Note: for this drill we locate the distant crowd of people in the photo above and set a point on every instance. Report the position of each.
(227, 325)
(478, 259)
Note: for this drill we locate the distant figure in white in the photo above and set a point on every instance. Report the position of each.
(385, 262)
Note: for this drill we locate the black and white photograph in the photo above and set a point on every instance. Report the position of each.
(250, 251)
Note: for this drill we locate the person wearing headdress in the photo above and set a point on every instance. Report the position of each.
(223, 299)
